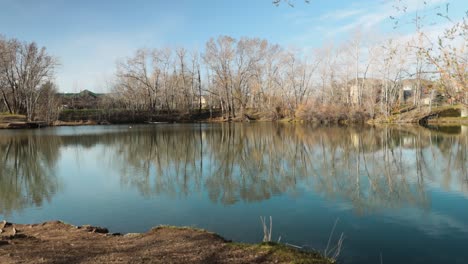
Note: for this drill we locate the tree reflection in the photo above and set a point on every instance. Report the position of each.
(27, 174)
(370, 167)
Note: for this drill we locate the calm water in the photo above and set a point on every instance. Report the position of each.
(400, 193)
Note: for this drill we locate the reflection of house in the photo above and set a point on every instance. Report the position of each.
(82, 100)
(355, 140)
(408, 141)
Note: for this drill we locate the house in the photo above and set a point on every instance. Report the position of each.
(203, 101)
(429, 93)
(200, 100)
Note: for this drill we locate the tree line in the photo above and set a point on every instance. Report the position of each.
(358, 76)
(361, 77)
(26, 75)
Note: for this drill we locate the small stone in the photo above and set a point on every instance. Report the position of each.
(4, 224)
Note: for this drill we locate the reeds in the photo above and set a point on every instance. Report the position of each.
(267, 231)
(330, 252)
(335, 251)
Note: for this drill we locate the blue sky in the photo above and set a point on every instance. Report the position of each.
(89, 36)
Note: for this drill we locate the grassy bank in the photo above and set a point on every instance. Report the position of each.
(117, 116)
(444, 115)
(424, 115)
(9, 120)
(57, 242)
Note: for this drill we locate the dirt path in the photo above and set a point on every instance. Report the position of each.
(56, 242)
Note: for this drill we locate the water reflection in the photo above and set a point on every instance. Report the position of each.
(409, 183)
(27, 175)
(370, 168)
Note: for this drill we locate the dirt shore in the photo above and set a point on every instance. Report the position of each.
(57, 242)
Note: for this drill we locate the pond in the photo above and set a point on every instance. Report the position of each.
(398, 194)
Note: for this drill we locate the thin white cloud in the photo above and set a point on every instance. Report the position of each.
(435, 224)
(342, 14)
(375, 15)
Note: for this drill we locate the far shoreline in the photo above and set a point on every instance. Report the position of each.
(445, 115)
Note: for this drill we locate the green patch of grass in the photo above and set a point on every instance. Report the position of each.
(180, 228)
(192, 228)
(284, 253)
(276, 251)
(286, 120)
(7, 117)
(445, 107)
(449, 120)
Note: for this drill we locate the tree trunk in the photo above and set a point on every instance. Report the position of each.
(6, 103)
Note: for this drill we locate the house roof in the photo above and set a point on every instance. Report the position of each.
(424, 82)
(365, 81)
(81, 94)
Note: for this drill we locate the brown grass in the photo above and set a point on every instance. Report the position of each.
(56, 242)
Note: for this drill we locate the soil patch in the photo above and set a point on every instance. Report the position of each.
(57, 242)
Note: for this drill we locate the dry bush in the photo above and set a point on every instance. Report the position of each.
(329, 113)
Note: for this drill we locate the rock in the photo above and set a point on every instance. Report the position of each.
(94, 229)
(4, 242)
(4, 224)
(9, 233)
(101, 230)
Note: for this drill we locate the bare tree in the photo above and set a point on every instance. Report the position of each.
(24, 68)
(219, 57)
(447, 52)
